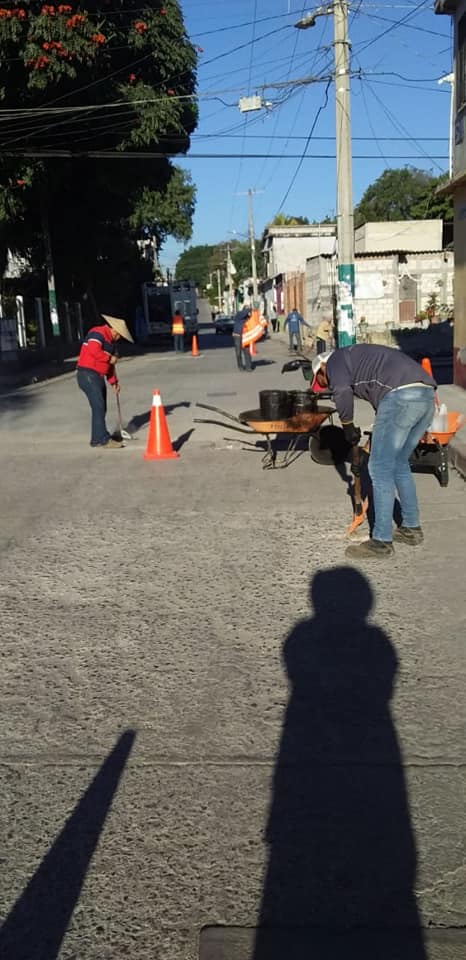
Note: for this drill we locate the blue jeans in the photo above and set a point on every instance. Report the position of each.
(402, 419)
(178, 344)
(93, 385)
(295, 335)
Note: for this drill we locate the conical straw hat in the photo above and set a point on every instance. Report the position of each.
(120, 326)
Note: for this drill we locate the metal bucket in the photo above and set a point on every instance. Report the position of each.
(274, 404)
(301, 401)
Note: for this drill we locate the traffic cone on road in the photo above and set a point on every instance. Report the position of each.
(159, 445)
(427, 366)
(194, 347)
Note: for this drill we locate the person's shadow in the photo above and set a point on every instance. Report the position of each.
(341, 870)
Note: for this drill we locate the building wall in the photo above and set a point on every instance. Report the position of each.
(382, 282)
(460, 287)
(289, 254)
(459, 150)
(399, 235)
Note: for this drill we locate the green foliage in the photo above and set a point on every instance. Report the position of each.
(167, 213)
(403, 194)
(134, 63)
(283, 220)
(199, 262)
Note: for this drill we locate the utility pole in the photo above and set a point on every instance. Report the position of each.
(252, 241)
(229, 281)
(219, 288)
(345, 214)
(52, 295)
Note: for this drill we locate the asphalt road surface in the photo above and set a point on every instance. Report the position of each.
(209, 720)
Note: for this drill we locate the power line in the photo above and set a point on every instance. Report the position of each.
(394, 25)
(153, 155)
(303, 155)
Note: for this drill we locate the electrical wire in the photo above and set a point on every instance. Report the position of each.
(303, 155)
(393, 26)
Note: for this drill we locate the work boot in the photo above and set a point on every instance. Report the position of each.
(411, 535)
(111, 444)
(368, 549)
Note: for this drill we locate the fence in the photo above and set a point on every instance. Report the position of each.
(25, 324)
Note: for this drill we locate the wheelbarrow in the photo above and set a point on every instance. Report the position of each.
(303, 425)
(431, 454)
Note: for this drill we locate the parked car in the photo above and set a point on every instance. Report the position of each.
(223, 323)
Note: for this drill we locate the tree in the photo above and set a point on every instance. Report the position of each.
(199, 262)
(403, 194)
(283, 220)
(118, 78)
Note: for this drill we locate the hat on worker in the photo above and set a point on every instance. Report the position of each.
(320, 359)
(120, 326)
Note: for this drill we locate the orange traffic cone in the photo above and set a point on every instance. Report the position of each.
(159, 445)
(194, 347)
(252, 349)
(427, 366)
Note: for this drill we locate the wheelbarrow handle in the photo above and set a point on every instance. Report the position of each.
(223, 413)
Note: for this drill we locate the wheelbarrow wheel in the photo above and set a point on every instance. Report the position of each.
(318, 454)
(328, 447)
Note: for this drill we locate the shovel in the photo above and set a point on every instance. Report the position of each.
(360, 505)
(123, 433)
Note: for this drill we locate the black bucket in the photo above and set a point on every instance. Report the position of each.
(301, 401)
(274, 404)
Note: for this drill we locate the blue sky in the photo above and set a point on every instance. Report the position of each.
(401, 49)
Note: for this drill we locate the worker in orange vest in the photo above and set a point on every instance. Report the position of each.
(178, 332)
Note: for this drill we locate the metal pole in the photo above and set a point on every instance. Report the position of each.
(345, 216)
(229, 280)
(219, 288)
(252, 241)
(49, 263)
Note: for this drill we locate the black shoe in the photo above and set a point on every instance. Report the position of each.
(376, 549)
(411, 535)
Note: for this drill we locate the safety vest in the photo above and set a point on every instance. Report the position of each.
(253, 330)
(177, 325)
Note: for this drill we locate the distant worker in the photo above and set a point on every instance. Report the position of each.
(243, 356)
(96, 363)
(294, 321)
(273, 317)
(324, 335)
(178, 332)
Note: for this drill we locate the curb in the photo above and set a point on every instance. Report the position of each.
(457, 455)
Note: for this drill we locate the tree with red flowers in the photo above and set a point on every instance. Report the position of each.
(85, 77)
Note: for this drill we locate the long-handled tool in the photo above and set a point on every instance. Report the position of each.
(360, 505)
(123, 433)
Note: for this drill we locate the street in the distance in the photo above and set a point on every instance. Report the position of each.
(210, 719)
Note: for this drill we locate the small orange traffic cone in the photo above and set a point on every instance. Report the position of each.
(194, 347)
(427, 366)
(252, 349)
(159, 445)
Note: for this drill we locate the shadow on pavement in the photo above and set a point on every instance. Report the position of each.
(182, 439)
(141, 419)
(37, 924)
(15, 404)
(342, 858)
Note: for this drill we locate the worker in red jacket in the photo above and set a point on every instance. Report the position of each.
(96, 364)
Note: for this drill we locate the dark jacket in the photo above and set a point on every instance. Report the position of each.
(240, 320)
(369, 372)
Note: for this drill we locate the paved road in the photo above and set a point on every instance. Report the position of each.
(186, 740)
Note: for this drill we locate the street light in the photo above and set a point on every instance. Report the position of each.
(450, 78)
(345, 214)
(310, 19)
